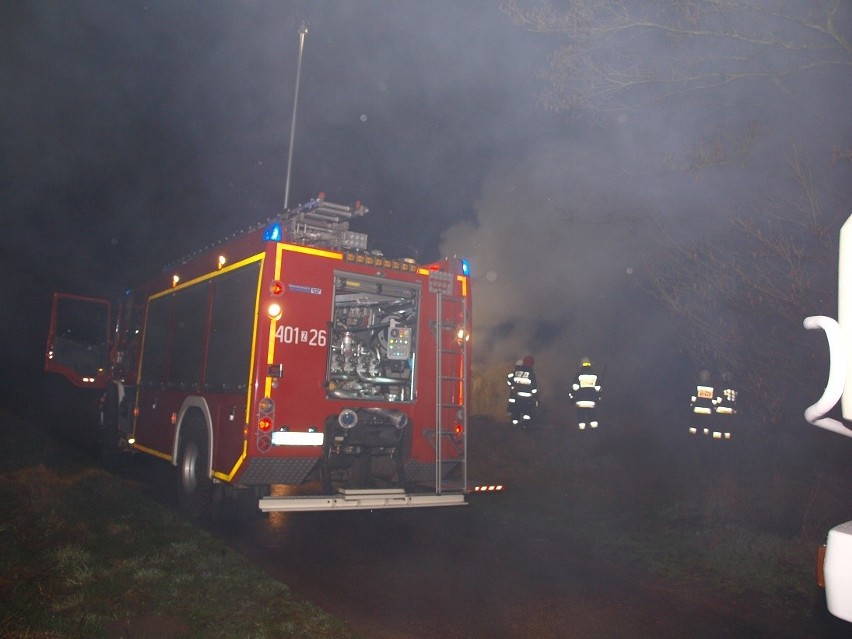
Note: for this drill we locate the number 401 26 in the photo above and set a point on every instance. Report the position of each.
(296, 335)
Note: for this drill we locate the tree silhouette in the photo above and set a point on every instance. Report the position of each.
(744, 298)
(754, 90)
(699, 47)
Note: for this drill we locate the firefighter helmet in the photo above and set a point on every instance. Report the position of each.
(529, 360)
(585, 362)
(704, 375)
(520, 362)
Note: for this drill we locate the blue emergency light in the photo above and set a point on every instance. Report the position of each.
(273, 232)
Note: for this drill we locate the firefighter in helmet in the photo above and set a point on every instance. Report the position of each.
(586, 394)
(523, 392)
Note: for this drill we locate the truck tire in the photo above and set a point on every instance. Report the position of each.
(194, 486)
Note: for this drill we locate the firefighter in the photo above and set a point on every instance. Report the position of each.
(702, 405)
(523, 392)
(586, 393)
(725, 408)
(726, 402)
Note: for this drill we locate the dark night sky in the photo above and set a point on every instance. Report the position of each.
(133, 133)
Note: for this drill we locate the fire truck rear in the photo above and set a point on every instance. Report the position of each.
(288, 356)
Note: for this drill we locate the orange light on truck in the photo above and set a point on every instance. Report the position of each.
(265, 405)
(265, 423)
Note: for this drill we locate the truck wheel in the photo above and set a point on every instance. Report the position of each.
(194, 487)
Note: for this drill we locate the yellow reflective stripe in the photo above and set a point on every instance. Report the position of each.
(307, 250)
(230, 476)
(463, 280)
(151, 451)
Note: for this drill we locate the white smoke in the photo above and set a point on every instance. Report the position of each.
(553, 253)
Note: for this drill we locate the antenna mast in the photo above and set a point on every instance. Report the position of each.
(303, 31)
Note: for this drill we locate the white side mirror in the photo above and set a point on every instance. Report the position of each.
(815, 414)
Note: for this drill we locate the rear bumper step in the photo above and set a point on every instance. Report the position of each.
(361, 499)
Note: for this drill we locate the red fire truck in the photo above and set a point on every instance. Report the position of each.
(290, 355)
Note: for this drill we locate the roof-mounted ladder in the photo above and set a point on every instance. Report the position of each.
(323, 224)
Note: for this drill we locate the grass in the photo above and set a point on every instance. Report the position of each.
(85, 554)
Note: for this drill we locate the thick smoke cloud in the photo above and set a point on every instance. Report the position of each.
(556, 253)
(557, 232)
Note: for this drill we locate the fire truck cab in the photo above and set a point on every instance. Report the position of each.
(290, 355)
(834, 561)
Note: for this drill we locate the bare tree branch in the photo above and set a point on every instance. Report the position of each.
(744, 299)
(604, 63)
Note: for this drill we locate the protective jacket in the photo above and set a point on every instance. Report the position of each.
(703, 402)
(522, 382)
(585, 392)
(726, 402)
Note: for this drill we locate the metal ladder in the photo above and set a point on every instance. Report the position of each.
(451, 385)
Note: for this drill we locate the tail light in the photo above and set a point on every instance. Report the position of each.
(266, 414)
